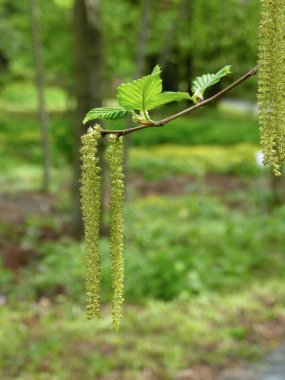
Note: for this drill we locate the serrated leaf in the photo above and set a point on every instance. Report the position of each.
(168, 97)
(200, 84)
(156, 70)
(106, 113)
(140, 93)
(146, 93)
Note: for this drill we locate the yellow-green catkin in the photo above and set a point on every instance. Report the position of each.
(91, 210)
(114, 157)
(271, 82)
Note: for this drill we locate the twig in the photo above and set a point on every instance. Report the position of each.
(162, 122)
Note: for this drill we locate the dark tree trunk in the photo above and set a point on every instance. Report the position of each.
(170, 35)
(141, 51)
(139, 71)
(40, 84)
(168, 56)
(277, 188)
(88, 66)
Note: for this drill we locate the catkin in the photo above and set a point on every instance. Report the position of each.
(271, 82)
(91, 210)
(114, 157)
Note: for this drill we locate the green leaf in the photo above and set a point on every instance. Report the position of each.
(156, 70)
(107, 113)
(168, 97)
(140, 93)
(146, 93)
(200, 84)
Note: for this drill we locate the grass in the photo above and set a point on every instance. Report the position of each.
(54, 340)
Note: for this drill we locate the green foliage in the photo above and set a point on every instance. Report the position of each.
(53, 341)
(146, 93)
(143, 94)
(114, 156)
(168, 160)
(203, 127)
(22, 97)
(25, 140)
(61, 270)
(107, 113)
(91, 210)
(189, 42)
(271, 82)
(221, 39)
(207, 126)
(180, 241)
(201, 84)
(172, 243)
(16, 42)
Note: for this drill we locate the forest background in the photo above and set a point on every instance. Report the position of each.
(205, 231)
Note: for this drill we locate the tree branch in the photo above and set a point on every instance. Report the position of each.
(161, 123)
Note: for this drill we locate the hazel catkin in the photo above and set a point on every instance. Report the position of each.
(271, 82)
(91, 210)
(114, 157)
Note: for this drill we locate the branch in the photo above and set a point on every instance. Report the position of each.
(161, 123)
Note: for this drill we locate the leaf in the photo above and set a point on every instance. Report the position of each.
(146, 93)
(200, 84)
(168, 97)
(156, 70)
(140, 93)
(106, 113)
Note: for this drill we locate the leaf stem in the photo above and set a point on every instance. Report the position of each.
(146, 115)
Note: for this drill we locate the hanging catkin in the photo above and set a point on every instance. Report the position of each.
(91, 210)
(271, 82)
(114, 157)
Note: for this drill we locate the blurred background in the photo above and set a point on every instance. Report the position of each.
(204, 221)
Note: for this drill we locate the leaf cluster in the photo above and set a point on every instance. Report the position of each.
(142, 95)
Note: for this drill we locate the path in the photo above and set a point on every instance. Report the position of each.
(271, 368)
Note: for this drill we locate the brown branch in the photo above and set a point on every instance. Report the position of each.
(162, 122)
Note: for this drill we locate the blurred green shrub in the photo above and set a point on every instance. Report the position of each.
(175, 247)
(162, 161)
(22, 97)
(191, 245)
(20, 136)
(206, 126)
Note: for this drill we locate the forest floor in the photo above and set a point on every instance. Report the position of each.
(204, 258)
(236, 333)
(18, 206)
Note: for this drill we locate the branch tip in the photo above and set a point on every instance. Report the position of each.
(150, 123)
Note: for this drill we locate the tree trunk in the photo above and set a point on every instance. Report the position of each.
(88, 66)
(139, 71)
(170, 34)
(277, 189)
(141, 51)
(168, 59)
(40, 84)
